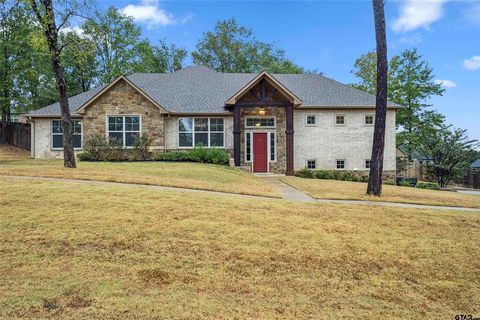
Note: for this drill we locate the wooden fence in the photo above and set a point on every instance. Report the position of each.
(18, 134)
(419, 171)
(471, 180)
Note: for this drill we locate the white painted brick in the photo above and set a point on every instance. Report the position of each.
(327, 142)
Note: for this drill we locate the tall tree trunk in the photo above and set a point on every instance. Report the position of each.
(376, 169)
(47, 21)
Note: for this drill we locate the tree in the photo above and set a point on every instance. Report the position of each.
(375, 179)
(116, 38)
(161, 58)
(365, 69)
(410, 84)
(449, 151)
(414, 85)
(79, 61)
(234, 48)
(45, 13)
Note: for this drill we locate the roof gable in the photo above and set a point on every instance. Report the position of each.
(89, 102)
(270, 79)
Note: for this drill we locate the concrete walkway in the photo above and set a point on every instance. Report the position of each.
(287, 192)
(291, 194)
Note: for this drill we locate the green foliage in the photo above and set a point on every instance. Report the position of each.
(306, 173)
(449, 151)
(141, 147)
(162, 58)
(93, 147)
(428, 185)
(116, 38)
(79, 62)
(333, 175)
(234, 48)
(404, 183)
(198, 154)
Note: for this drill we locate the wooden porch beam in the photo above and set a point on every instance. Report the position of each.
(262, 103)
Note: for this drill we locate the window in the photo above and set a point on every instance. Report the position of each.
(340, 164)
(208, 132)
(272, 147)
(260, 122)
(57, 134)
(311, 120)
(125, 129)
(340, 119)
(312, 164)
(248, 146)
(368, 163)
(369, 119)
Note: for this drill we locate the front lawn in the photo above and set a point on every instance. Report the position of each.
(346, 190)
(72, 251)
(172, 174)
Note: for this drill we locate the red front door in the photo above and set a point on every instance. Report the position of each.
(260, 152)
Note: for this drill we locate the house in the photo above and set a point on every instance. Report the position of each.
(276, 123)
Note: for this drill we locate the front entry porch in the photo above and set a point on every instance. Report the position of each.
(263, 126)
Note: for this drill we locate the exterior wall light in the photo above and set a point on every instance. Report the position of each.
(261, 111)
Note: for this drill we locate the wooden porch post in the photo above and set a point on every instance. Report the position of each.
(289, 132)
(236, 135)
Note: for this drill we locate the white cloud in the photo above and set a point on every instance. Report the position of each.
(472, 63)
(75, 29)
(150, 13)
(416, 14)
(411, 41)
(446, 84)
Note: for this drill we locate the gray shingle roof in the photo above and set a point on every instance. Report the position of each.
(202, 90)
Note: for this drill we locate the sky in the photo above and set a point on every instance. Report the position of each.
(329, 35)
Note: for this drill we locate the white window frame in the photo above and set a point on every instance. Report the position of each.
(193, 132)
(344, 164)
(107, 131)
(249, 133)
(61, 134)
(261, 117)
(311, 124)
(365, 119)
(344, 120)
(365, 164)
(306, 164)
(269, 134)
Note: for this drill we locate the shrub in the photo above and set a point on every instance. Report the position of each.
(218, 156)
(93, 147)
(141, 147)
(198, 154)
(84, 156)
(404, 183)
(428, 185)
(306, 173)
(114, 151)
(324, 174)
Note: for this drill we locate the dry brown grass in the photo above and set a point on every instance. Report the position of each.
(183, 175)
(71, 251)
(346, 190)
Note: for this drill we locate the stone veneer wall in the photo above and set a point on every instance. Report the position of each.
(280, 165)
(123, 99)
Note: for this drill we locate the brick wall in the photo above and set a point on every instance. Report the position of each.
(325, 142)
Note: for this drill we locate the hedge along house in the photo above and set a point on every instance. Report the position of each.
(275, 123)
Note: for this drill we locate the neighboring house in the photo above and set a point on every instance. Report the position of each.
(475, 165)
(276, 123)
